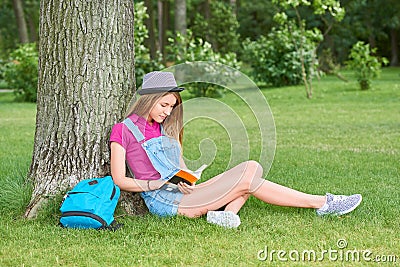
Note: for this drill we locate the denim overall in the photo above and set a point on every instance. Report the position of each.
(164, 153)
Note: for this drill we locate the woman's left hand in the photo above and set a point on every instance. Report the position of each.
(185, 188)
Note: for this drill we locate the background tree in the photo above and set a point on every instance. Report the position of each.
(217, 25)
(144, 62)
(86, 79)
(320, 7)
(180, 16)
(163, 7)
(375, 22)
(12, 14)
(150, 42)
(21, 23)
(234, 5)
(382, 23)
(31, 8)
(255, 18)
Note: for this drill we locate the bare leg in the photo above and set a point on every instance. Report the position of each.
(229, 188)
(236, 204)
(233, 187)
(276, 194)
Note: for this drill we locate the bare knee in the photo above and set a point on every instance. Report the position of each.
(254, 168)
(251, 170)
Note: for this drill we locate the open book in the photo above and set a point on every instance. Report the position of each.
(185, 176)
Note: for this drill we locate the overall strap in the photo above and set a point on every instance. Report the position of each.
(134, 129)
(162, 129)
(136, 133)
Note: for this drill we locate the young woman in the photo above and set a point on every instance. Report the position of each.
(149, 141)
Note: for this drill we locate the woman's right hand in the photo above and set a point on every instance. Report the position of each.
(185, 188)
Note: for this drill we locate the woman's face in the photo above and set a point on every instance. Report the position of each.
(162, 108)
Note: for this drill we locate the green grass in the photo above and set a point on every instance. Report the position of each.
(342, 141)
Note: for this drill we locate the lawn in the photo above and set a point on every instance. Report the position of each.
(343, 141)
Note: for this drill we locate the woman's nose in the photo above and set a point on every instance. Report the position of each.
(167, 111)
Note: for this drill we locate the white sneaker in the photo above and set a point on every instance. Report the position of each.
(226, 219)
(339, 204)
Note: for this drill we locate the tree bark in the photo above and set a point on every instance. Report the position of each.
(151, 41)
(86, 80)
(180, 16)
(206, 11)
(21, 22)
(32, 30)
(233, 4)
(163, 24)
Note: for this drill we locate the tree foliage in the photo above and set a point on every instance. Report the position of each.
(221, 29)
(256, 18)
(187, 48)
(275, 59)
(21, 72)
(376, 22)
(330, 6)
(9, 39)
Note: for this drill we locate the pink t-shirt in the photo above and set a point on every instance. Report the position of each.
(136, 157)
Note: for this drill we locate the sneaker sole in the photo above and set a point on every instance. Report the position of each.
(227, 220)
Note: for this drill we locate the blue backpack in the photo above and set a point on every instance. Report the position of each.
(91, 204)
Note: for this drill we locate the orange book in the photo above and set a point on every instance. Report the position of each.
(183, 176)
(186, 176)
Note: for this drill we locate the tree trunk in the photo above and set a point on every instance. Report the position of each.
(233, 4)
(21, 23)
(180, 16)
(180, 20)
(163, 24)
(395, 48)
(149, 22)
(86, 80)
(207, 17)
(32, 30)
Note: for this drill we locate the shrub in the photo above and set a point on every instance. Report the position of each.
(21, 72)
(184, 49)
(365, 65)
(275, 59)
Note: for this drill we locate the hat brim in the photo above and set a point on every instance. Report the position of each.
(148, 91)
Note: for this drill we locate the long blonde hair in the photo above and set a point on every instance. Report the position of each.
(173, 124)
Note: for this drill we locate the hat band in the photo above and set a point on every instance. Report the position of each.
(146, 91)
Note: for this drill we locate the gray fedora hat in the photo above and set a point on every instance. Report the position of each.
(159, 82)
